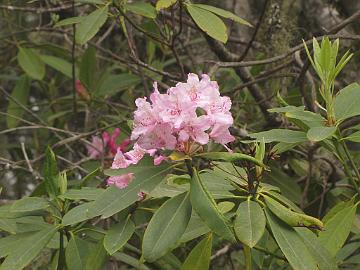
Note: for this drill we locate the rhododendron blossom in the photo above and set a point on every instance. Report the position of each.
(189, 113)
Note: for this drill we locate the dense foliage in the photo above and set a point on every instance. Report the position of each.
(147, 135)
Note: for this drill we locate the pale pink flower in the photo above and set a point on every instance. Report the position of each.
(121, 181)
(96, 148)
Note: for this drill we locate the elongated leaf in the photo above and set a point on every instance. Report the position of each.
(208, 22)
(230, 157)
(118, 235)
(280, 135)
(291, 244)
(86, 193)
(249, 223)
(205, 206)
(68, 21)
(290, 217)
(323, 258)
(88, 68)
(195, 228)
(114, 84)
(135, 263)
(166, 227)
(77, 214)
(199, 257)
(8, 225)
(317, 134)
(96, 257)
(354, 137)
(113, 200)
(58, 64)
(347, 102)
(9, 243)
(72, 255)
(29, 248)
(27, 204)
(336, 209)
(91, 24)
(51, 174)
(223, 13)
(142, 9)
(337, 229)
(20, 94)
(161, 4)
(31, 63)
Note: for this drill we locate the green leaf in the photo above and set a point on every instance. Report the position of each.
(142, 9)
(113, 200)
(77, 214)
(114, 84)
(347, 102)
(161, 4)
(290, 217)
(291, 244)
(8, 225)
(118, 235)
(354, 137)
(58, 64)
(96, 257)
(205, 206)
(195, 228)
(20, 94)
(223, 13)
(166, 227)
(320, 254)
(208, 22)
(230, 157)
(135, 263)
(317, 134)
(29, 204)
(280, 135)
(29, 248)
(249, 223)
(337, 208)
(9, 243)
(225, 206)
(90, 1)
(91, 24)
(31, 63)
(72, 255)
(68, 21)
(51, 173)
(199, 257)
(337, 229)
(86, 193)
(88, 68)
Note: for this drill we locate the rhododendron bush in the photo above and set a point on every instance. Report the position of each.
(146, 142)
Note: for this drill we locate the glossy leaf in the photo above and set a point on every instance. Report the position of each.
(77, 214)
(161, 4)
(205, 206)
(280, 135)
(86, 193)
(118, 235)
(347, 102)
(337, 229)
(72, 255)
(31, 63)
(223, 13)
(354, 137)
(28, 204)
(29, 248)
(142, 9)
(208, 22)
(113, 200)
(88, 68)
(317, 134)
(249, 223)
(58, 64)
(291, 244)
(68, 21)
(91, 24)
(166, 227)
(51, 173)
(199, 257)
(323, 258)
(96, 257)
(8, 225)
(20, 95)
(230, 157)
(195, 228)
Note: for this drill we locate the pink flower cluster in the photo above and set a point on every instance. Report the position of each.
(192, 111)
(189, 113)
